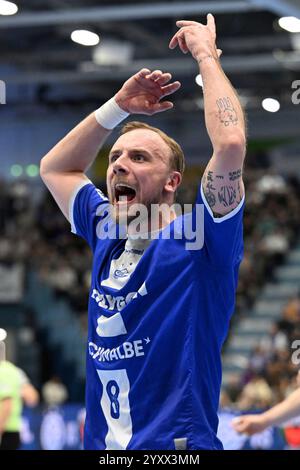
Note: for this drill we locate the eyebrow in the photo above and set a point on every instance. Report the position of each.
(136, 150)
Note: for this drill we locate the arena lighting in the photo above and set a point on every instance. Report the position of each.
(113, 52)
(16, 170)
(3, 334)
(198, 80)
(271, 105)
(290, 24)
(32, 170)
(85, 37)
(8, 8)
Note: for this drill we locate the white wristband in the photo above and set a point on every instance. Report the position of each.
(109, 115)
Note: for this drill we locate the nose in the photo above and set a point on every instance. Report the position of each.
(120, 165)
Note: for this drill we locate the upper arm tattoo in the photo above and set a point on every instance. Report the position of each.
(222, 191)
(226, 195)
(235, 175)
(209, 189)
(226, 112)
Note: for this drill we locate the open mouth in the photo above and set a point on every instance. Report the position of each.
(124, 193)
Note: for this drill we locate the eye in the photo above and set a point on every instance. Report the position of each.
(139, 157)
(113, 158)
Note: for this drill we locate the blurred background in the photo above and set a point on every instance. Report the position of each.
(61, 59)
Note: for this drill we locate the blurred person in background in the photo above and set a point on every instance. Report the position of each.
(278, 414)
(29, 393)
(54, 392)
(158, 311)
(291, 311)
(10, 406)
(256, 394)
(15, 388)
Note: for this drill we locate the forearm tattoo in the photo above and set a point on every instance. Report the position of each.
(226, 112)
(223, 190)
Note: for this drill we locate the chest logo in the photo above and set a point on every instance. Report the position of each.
(121, 273)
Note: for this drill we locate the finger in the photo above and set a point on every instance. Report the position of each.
(211, 23)
(179, 39)
(173, 43)
(181, 23)
(237, 422)
(160, 107)
(164, 78)
(182, 44)
(169, 89)
(142, 73)
(155, 75)
(238, 427)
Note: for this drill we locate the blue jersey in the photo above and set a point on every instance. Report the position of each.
(158, 316)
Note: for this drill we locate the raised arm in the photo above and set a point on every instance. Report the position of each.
(287, 409)
(225, 123)
(63, 168)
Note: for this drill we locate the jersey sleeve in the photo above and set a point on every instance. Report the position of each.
(88, 208)
(223, 236)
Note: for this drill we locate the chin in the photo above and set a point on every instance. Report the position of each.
(121, 216)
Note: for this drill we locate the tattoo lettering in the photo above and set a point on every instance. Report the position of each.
(209, 188)
(210, 56)
(220, 177)
(210, 176)
(234, 175)
(209, 181)
(226, 112)
(211, 199)
(227, 195)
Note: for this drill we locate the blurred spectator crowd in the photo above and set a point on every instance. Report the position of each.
(271, 227)
(273, 371)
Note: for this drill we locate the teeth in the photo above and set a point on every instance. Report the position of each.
(118, 191)
(124, 185)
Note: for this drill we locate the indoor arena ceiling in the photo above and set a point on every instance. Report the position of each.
(37, 53)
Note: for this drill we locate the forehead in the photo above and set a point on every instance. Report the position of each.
(142, 139)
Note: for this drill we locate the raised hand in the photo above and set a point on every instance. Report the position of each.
(142, 93)
(196, 38)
